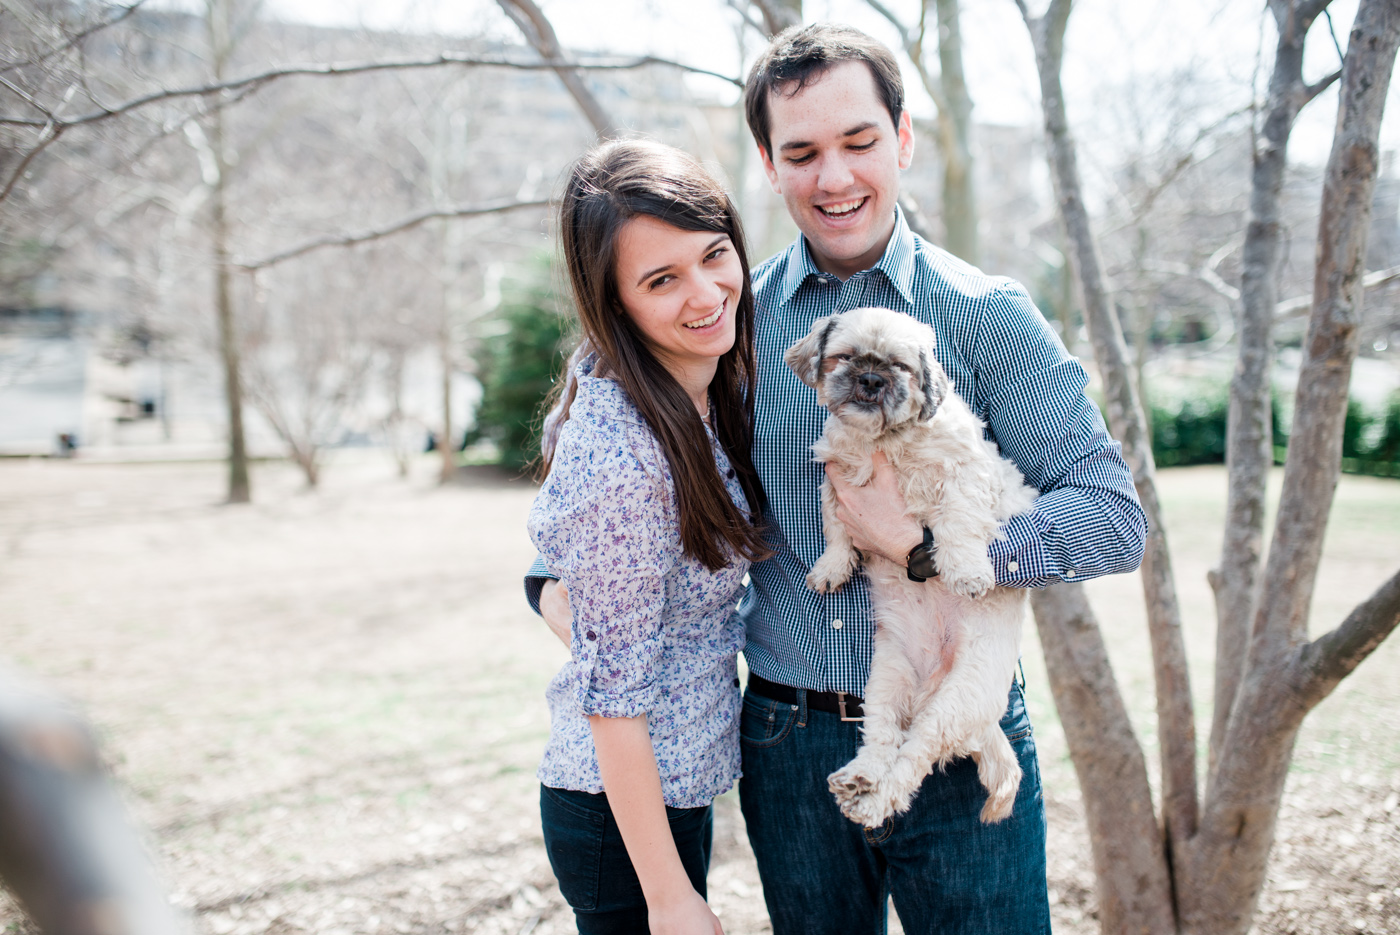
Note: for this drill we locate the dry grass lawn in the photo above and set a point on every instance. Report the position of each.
(325, 709)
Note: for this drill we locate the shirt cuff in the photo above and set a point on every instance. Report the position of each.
(1019, 558)
(535, 578)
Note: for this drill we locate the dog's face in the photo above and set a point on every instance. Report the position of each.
(872, 368)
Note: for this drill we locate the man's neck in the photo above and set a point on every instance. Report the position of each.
(845, 269)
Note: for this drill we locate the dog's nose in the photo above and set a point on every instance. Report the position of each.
(871, 383)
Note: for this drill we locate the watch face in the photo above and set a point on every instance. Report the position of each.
(921, 562)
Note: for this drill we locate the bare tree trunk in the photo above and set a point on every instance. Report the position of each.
(1134, 881)
(948, 89)
(218, 21)
(67, 851)
(1283, 679)
(1249, 441)
(448, 466)
(959, 192)
(779, 14)
(1175, 717)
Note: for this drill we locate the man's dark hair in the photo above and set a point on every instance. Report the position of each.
(799, 55)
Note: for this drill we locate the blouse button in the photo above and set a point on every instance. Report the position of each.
(591, 635)
(730, 473)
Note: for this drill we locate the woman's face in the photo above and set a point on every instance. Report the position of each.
(680, 288)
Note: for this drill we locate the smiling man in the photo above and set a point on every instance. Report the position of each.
(826, 107)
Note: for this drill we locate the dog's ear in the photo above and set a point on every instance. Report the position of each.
(805, 357)
(934, 384)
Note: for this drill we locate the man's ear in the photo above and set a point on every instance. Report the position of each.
(769, 169)
(906, 140)
(805, 357)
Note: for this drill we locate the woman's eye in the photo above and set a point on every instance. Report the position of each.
(717, 252)
(660, 281)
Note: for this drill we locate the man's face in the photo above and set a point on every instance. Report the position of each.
(836, 159)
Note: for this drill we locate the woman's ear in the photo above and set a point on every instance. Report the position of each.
(805, 357)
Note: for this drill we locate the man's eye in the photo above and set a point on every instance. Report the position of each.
(801, 160)
(865, 146)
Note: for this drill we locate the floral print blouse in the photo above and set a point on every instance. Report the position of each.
(654, 630)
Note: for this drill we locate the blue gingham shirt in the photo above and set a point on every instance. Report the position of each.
(1014, 373)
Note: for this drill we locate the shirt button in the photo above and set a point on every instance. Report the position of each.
(837, 624)
(1069, 573)
(1012, 566)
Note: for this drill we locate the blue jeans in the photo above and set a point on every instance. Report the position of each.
(590, 861)
(947, 872)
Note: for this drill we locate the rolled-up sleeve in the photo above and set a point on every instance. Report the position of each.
(604, 525)
(1087, 521)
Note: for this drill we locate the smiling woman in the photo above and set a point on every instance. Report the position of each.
(649, 517)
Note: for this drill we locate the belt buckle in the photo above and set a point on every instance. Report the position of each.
(841, 706)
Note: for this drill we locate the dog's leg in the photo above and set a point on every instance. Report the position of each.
(893, 683)
(840, 558)
(963, 526)
(999, 772)
(971, 696)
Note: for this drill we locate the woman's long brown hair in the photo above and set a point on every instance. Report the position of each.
(606, 189)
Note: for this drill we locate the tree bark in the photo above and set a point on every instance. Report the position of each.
(1249, 439)
(1175, 716)
(1130, 862)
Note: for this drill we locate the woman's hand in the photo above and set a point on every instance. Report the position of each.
(555, 609)
(690, 915)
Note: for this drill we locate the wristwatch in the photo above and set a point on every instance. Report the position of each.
(920, 565)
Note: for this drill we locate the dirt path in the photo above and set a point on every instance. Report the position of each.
(328, 708)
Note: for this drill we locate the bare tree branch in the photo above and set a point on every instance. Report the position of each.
(1324, 662)
(742, 8)
(1322, 84)
(540, 33)
(1303, 303)
(403, 224)
(354, 68)
(74, 39)
(51, 133)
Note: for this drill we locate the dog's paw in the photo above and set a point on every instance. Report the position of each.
(850, 782)
(828, 575)
(971, 584)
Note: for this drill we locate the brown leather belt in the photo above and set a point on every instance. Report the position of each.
(848, 706)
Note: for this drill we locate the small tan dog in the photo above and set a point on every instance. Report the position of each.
(945, 649)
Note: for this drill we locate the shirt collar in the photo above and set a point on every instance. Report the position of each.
(897, 262)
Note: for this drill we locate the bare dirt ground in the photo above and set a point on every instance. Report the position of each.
(326, 709)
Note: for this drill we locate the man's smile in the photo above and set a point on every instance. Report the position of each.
(842, 209)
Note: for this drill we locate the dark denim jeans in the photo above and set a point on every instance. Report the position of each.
(947, 872)
(590, 861)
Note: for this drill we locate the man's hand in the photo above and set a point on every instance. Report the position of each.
(555, 609)
(874, 514)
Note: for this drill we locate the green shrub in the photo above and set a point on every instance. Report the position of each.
(1192, 431)
(517, 364)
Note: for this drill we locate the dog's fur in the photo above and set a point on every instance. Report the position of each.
(945, 649)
